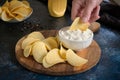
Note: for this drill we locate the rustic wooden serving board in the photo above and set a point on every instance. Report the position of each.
(92, 53)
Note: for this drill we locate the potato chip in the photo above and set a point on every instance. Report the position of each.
(22, 11)
(5, 16)
(51, 43)
(62, 52)
(8, 12)
(19, 18)
(74, 59)
(78, 24)
(39, 51)
(28, 41)
(45, 64)
(57, 39)
(26, 3)
(36, 35)
(28, 50)
(6, 4)
(53, 57)
(16, 4)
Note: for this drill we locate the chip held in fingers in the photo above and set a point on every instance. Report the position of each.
(78, 24)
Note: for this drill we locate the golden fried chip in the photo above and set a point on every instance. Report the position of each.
(78, 24)
(6, 4)
(36, 35)
(74, 59)
(39, 51)
(62, 52)
(28, 50)
(28, 41)
(53, 57)
(8, 12)
(26, 3)
(5, 16)
(22, 11)
(51, 43)
(13, 5)
(45, 64)
(19, 18)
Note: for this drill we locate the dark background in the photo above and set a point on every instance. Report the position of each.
(108, 39)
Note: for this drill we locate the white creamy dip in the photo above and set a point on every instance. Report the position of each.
(76, 35)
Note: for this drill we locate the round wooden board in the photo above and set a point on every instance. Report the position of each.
(92, 53)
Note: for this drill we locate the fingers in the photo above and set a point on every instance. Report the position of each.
(87, 10)
(86, 14)
(75, 9)
(95, 14)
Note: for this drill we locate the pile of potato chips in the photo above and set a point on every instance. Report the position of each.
(49, 51)
(15, 10)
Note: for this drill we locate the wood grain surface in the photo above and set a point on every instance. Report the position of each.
(92, 53)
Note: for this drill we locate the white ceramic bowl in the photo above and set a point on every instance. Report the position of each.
(75, 44)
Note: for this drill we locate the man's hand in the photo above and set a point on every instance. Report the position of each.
(87, 10)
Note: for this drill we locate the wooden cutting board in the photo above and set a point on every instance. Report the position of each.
(92, 53)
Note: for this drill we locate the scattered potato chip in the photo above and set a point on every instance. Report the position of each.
(28, 50)
(78, 24)
(51, 43)
(36, 35)
(53, 57)
(28, 41)
(45, 64)
(57, 39)
(39, 51)
(74, 59)
(62, 52)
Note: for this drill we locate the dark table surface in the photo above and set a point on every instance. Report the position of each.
(108, 39)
